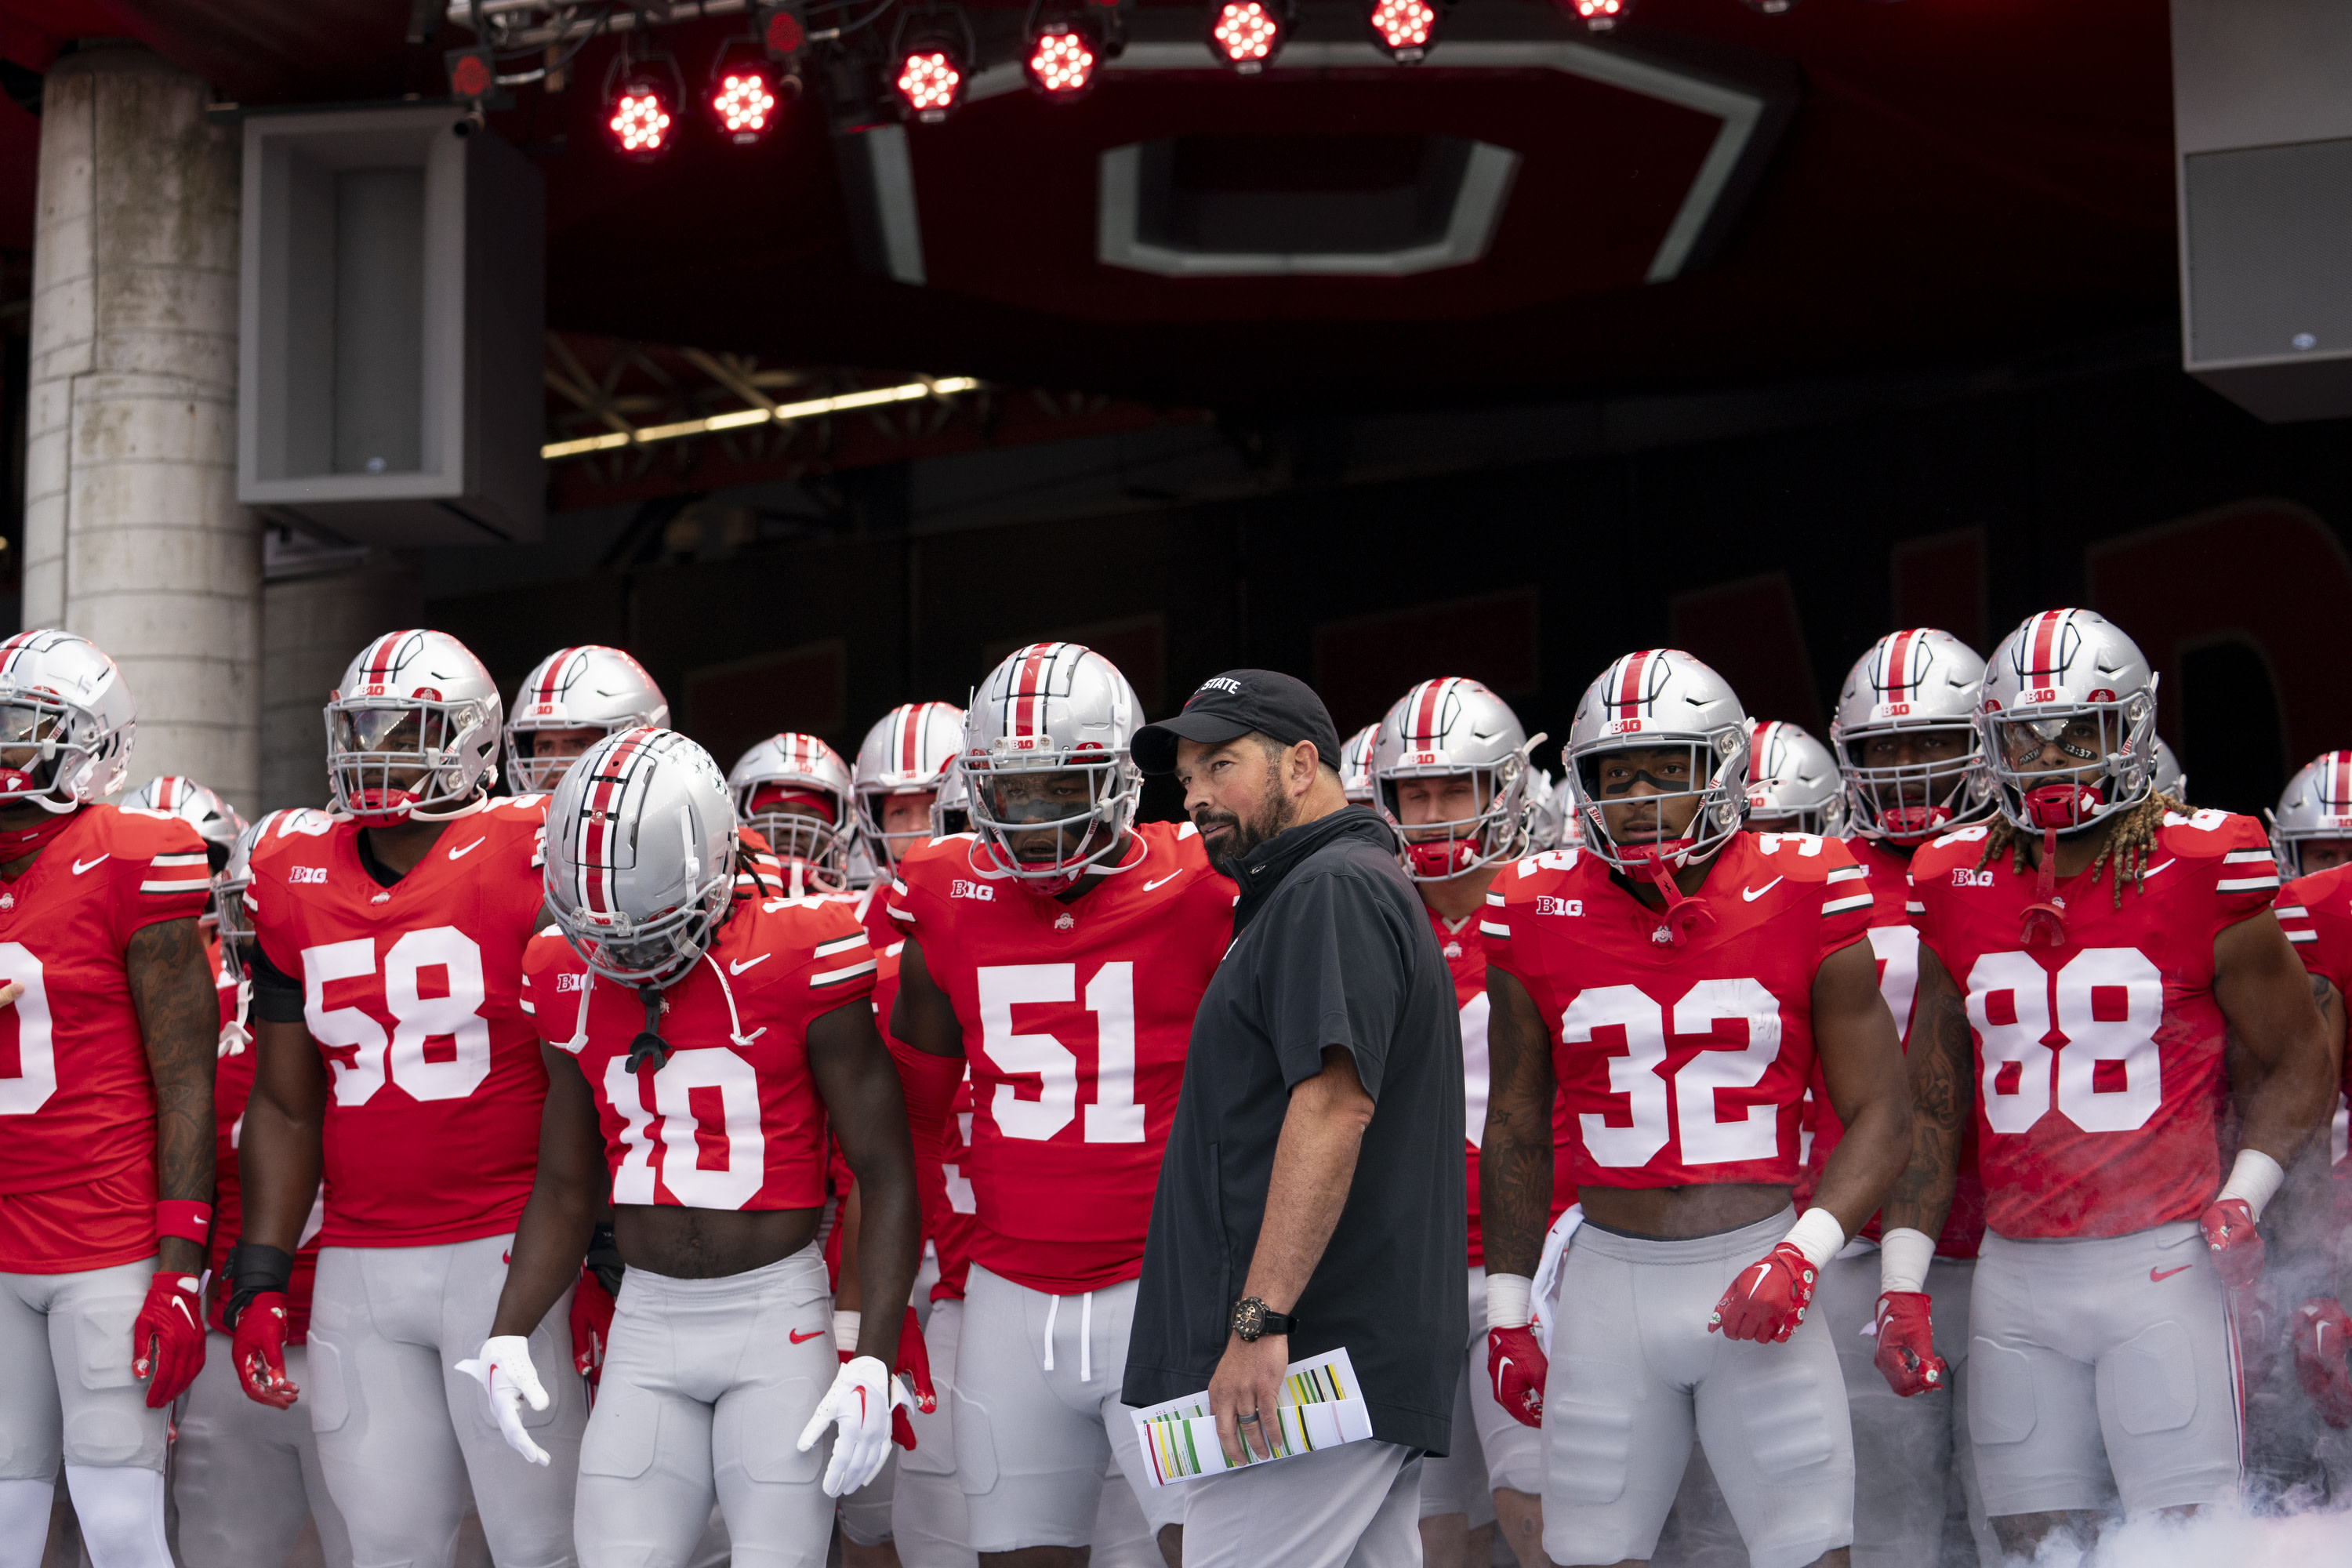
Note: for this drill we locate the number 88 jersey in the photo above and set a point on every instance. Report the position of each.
(1682, 1063)
(2098, 1062)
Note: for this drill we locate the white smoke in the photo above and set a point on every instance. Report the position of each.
(2211, 1539)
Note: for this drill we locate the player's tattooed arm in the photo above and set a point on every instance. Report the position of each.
(1943, 1097)
(922, 1016)
(862, 1099)
(179, 1018)
(1514, 1153)
(277, 1155)
(558, 1223)
(1862, 1066)
(2268, 1000)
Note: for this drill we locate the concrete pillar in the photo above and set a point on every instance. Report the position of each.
(132, 534)
(313, 627)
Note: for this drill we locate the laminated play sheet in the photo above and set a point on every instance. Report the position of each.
(1320, 1406)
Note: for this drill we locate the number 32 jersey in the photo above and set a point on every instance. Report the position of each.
(414, 995)
(2098, 1062)
(1075, 1020)
(1683, 1064)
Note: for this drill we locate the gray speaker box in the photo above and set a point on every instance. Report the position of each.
(392, 312)
(2263, 131)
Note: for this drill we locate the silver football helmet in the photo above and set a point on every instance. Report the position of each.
(2069, 680)
(67, 721)
(907, 753)
(1052, 720)
(2171, 781)
(1660, 699)
(795, 789)
(641, 855)
(1355, 766)
(1543, 810)
(1446, 729)
(951, 807)
(413, 730)
(214, 820)
(1916, 687)
(235, 875)
(1792, 782)
(587, 687)
(2316, 805)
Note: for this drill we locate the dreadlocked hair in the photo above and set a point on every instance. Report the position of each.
(2127, 844)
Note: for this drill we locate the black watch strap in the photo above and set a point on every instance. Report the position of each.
(252, 1270)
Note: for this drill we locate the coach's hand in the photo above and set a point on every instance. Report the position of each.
(504, 1370)
(1249, 1382)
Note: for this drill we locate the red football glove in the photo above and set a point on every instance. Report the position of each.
(167, 1343)
(1517, 1364)
(258, 1351)
(1767, 1300)
(1906, 1354)
(914, 1364)
(2321, 1334)
(591, 1326)
(2236, 1245)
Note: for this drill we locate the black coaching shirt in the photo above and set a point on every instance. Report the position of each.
(1330, 948)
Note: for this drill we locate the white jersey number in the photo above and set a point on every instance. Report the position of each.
(2105, 1004)
(1113, 1117)
(35, 1078)
(1707, 1138)
(711, 1152)
(1897, 948)
(454, 1016)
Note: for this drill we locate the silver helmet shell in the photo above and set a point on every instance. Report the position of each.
(1792, 782)
(586, 688)
(641, 855)
(1912, 685)
(907, 753)
(230, 910)
(417, 705)
(62, 699)
(1355, 766)
(2316, 804)
(1048, 709)
(1544, 813)
(763, 781)
(2171, 781)
(1660, 698)
(951, 807)
(2073, 679)
(214, 820)
(1444, 729)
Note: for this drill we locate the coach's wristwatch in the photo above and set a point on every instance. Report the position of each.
(1251, 1321)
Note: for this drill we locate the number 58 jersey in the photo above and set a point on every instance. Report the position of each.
(413, 994)
(1075, 1020)
(2098, 1062)
(1682, 1064)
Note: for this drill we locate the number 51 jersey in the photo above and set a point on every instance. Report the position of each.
(414, 995)
(1682, 1063)
(1075, 1020)
(2099, 1061)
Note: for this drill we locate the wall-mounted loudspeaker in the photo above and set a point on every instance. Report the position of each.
(392, 312)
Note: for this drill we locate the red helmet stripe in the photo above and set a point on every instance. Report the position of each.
(1629, 689)
(2342, 769)
(1028, 686)
(910, 729)
(554, 676)
(1898, 665)
(2045, 641)
(379, 667)
(1757, 739)
(1427, 700)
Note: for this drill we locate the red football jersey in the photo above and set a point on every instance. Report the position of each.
(77, 1099)
(2316, 912)
(1895, 942)
(733, 1119)
(2099, 1062)
(232, 1087)
(947, 1200)
(1466, 959)
(413, 993)
(1075, 1019)
(1683, 1064)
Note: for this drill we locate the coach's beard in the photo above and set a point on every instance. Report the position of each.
(1274, 811)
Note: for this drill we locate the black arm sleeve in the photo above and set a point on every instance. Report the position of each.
(1335, 975)
(276, 999)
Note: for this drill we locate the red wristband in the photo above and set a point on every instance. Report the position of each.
(185, 1218)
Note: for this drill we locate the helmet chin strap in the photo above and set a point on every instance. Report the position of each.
(649, 1045)
(1659, 862)
(2055, 809)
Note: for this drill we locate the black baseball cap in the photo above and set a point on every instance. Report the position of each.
(1229, 706)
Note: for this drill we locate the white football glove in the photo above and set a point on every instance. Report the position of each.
(504, 1370)
(858, 1406)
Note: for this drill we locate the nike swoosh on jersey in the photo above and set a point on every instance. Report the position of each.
(469, 848)
(81, 866)
(2160, 1274)
(1164, 881)
(798, 1337)
(734, 968)
(2152, 871)
(1752, 894)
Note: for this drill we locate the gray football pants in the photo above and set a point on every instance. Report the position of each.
(402, 1433)
(705, 1387)
(245, 1476)
(66, 1395)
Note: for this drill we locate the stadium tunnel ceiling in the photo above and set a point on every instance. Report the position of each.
(1929, 182)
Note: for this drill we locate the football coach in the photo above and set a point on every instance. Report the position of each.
(1311, 1197)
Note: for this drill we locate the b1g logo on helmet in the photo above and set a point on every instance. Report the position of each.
(1891, 710)
(1547, 905)
(1622, 727)
(960, 889)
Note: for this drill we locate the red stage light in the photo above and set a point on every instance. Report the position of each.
(929, 82)
(1061, 62)
(1403, 27)
(1600, 14)
(1245, 35)
(640, 117)
(743, 101)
